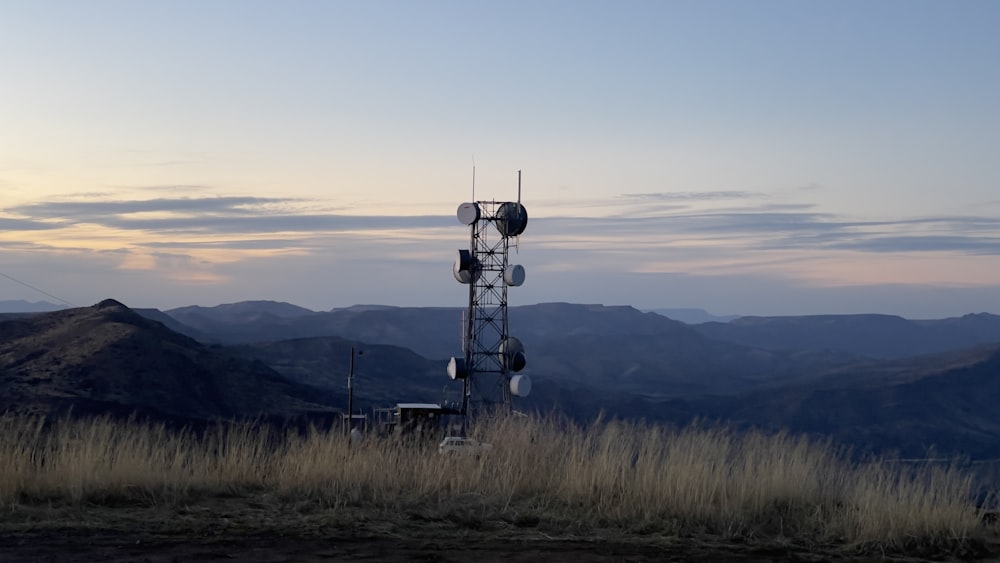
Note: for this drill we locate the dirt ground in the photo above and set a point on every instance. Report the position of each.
(241, 531)
(265, 547)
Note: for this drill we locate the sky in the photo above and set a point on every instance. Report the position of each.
(752, 158)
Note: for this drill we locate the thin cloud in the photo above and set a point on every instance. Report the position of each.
(21, 246)
(786, 206)
(221, 215)
(810, 187)
(234, 244)
(777, 230)
(693, 196)
(759, 222)
(666, 223)
(954, 222)
(168, 163)
(173, 188)
(701, 223)
(10, 224)
(916, 243)
(259, 224)
(94, 211)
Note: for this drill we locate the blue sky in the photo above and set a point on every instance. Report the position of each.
(769, 157)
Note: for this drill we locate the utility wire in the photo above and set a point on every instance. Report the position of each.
(29, 286)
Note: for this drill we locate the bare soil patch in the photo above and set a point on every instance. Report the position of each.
(258, 531)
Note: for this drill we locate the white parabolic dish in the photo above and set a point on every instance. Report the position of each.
(514, 275)
(468, 213)
(520, 385)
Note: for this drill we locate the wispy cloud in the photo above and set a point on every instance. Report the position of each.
(974, 245)
(9, 224)
(220, 215)
(786, 227)
(234, 244)
(172, 188)
(749, 232)
(260, 224)
(91, 211)
(244, 222)
(694, 196)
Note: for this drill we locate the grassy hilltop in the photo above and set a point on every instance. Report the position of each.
(81, 481)
(542, 477)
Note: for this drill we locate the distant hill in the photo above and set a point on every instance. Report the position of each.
(173, 324)
(238, 322)
(693, 316)
(109, 359)
(384, 375)
(244, 311)
(614, 348)
(620, 348)
(876, 336)
(434, 332)
(914, 407)
(934, 405)
(20, 306)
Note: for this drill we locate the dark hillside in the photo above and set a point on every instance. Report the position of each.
(386, 375)
(616, 348)
(677, 364)
(876, 336)
(383, 375)
(172, 323)
(109, 358)
(433, 332)
(244, 311)
(943, 405)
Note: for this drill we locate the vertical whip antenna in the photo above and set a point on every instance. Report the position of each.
(517, 239)
(465, 340)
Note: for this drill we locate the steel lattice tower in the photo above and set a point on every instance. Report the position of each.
(491, 355)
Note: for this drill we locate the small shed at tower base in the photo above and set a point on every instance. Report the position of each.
(418, 418)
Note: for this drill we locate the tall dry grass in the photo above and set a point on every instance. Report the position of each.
(637, 477)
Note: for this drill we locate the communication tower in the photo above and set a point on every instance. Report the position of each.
(491, 356)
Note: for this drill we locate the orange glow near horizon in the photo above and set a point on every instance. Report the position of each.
(843, 268)
(720, 256)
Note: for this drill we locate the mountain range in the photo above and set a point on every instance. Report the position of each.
(877, 336)
(871, 382)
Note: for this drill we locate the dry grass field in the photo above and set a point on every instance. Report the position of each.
(547, 481)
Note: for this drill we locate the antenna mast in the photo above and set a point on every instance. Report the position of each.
(491, 356)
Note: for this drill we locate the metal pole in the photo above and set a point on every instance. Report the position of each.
(350, 395)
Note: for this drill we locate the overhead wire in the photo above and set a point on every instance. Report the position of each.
(42, 291)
